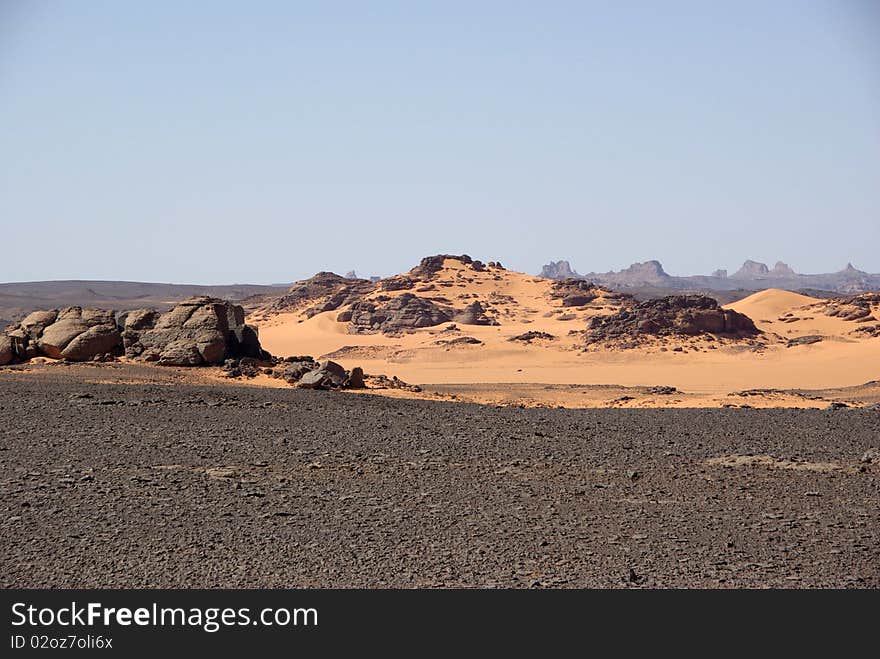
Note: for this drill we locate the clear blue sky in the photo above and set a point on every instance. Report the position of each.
(219, 142)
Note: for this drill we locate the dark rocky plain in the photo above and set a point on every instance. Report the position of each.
(119, 475)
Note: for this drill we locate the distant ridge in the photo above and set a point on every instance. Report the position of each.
(751, 275)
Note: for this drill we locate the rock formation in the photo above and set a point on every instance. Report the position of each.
(326, 291)
(199, 331)
(751, 270)
(473, 314)
(306, 373)
(391, 315)
(559, 270)
(196, 332)
(674, 315)
(782, 270)
(432, 264)
(73, 333)
(579, 292)
(752, 275)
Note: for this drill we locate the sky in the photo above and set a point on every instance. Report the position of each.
(261, 142)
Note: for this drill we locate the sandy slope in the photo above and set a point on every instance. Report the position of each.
(522, 303)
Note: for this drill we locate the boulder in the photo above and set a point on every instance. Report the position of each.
(291, 372)
(56, 336)
(96, 340)
(34, 323)
(7, 354)
(355, 379)
(76, 334)
(328, 375)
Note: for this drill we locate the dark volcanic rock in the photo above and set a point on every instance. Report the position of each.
(394, 315)
(329, 375)
(528, 337)
(292, 371)
(289, 488)
(853, 307)
(432, 264)
(676, 314)
(579, 292)
(398, 283)
(804, 340)
(461, 340)
(355, 379)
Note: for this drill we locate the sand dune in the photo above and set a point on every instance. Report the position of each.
(770, 303)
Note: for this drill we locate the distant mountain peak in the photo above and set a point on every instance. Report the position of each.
(782, 270)
(650, 268)
(559, 270)
(752, 275)
(751, 269)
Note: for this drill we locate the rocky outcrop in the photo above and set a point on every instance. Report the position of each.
(306, 373)
(686, 315)
(399, 283)
(432, 264)
(80, 334)
(853, 307)
(73, 333)
(199, 331)
(326, 291)
(578, 292)
(393, 315)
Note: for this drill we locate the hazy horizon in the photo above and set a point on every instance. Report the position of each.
(386, 273)
(207, 144)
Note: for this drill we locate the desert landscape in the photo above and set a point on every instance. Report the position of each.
(457, 425)
(487, 334)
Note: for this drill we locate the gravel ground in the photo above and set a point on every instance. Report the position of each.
(159, 483)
